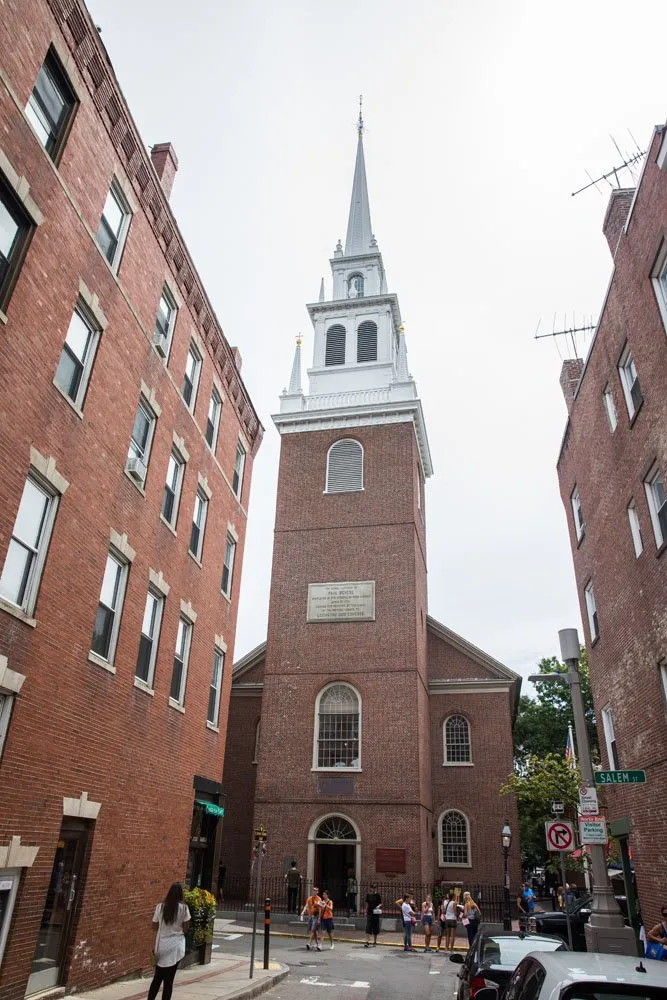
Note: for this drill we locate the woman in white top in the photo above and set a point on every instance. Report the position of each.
(171, 922)
(448, 919)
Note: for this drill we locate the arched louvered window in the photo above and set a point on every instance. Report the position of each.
(355, 286)
(454, 840)
(457, 740)
(367, 341)
(345, 467)
(335, 349)
(337, 723)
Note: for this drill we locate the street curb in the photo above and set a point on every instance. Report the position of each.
(343, 940)
(255, 989)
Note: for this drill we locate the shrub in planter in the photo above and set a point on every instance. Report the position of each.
(202, 906)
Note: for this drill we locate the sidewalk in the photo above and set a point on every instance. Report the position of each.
(226, 978)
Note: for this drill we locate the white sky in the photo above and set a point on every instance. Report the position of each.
(482, 118)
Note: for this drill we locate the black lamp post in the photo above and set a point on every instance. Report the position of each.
(506, 838)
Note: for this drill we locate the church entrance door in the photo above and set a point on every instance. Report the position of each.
(334, 856)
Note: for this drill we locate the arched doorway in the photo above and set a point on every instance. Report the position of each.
(334, 854)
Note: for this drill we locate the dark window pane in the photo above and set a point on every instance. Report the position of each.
(212, 698)
(194, 539)
(102, 631)
(210, 431)
(662, 517)
(9, 228)
(636, 394)
(225, 579)
(187, 389)
(107, 240)
(176, 676)
(51, 100)
(144, 658)
(168, 504)
(68, 373)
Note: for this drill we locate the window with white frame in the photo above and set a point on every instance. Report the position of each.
(367, 341)
(454, 840)
(114, 224)
(109, 609)
(16, 229)
(213, 714)
(6, 705)
(239, 468)
(213, 420)
(181, 656)
(610, 739)
(25, 557)
(630, 382)
(355, 286)
(659, 280)
(657, 504)
(141, 440)
(150, 638)
(198, 524)
(591, 610)
(610, 408)
(577, 513)
(228, 566)
(334, 351)
(191, 376)
(337, 727)
(662, 668)
(165, 322)
(77, 355)
(635, 530)
(172, 488)
(51, 105)
(457, 740)
(345, 467)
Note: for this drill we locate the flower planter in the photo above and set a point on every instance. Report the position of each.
(199, 939)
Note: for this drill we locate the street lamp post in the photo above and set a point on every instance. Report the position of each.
(605, 930)
(506, 838)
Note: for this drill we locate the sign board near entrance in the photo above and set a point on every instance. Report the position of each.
(593, 830)
(620, 777)
(352, 601)
(390, 859)
(560, 835)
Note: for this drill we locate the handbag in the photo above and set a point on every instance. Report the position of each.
(377, 911)
(465, 921)
(655, 950)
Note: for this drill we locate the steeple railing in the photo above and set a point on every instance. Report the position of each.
(353, 397)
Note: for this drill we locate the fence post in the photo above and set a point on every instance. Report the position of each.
(267, 930)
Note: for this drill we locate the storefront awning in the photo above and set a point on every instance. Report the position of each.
(211, 808)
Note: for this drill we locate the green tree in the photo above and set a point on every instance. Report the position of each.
(540, 781)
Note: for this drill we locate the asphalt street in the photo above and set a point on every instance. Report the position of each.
(350, 971)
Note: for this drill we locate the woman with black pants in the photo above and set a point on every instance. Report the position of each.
(171, 922)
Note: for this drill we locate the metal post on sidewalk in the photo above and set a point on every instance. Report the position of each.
(267, 930)
(260, 847)
(567, 912)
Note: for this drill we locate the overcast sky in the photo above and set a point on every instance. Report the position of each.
(482, 118)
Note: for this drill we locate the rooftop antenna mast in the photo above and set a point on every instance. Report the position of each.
(628, 162)
(585, 326)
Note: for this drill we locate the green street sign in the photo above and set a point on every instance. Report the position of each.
(620, 777)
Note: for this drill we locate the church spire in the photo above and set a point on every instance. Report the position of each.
(359, 232)
(295, 378)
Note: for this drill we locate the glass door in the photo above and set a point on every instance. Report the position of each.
(59, 909)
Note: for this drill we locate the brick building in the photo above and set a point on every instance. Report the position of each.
(611, 470)
(126, 444)
(369, 738)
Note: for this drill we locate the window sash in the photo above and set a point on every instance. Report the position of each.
(337, 739)
(239, 467)
(635, 529)
(213, 713)
(166, 313)
(113, 226)
(630, 382)
(27, 546)
(142, 431)
(610, 407)
(454, 843)
(228, 566)
(198, 524)
(457, 740)
(191, 376)
(592, 611)
(6, 704)
(577, 514)
(76, 358)
(610, 739)
(15, 230)
(150, 635)
(48, 107)
(180, 666)
(213, 420)
(107, 617)
(172, 489)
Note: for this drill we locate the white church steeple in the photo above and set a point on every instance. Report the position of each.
(359, 230)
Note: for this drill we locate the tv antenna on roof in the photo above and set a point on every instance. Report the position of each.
(570, 330)
(628, 163)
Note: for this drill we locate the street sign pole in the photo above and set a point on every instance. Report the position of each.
(567, 912)
(260, 841)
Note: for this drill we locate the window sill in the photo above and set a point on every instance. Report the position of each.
(134, 482)
(595, 640)
(458, 763)
(69, 402)
(194, 558)
(3, 317)
(116, 264)
(214, 729)
(101, 662)
(176, 705)
(336, 770)
(227, 597)
(335, 493)
(450, 864)
(167, 525)
(16, 612)
(660, 550)
(143, 686)
(581, 538)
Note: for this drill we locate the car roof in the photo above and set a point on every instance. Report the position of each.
(571, 967)
(522, 935)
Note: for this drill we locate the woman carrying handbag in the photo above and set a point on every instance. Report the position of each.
(171, 922)
(656, 945)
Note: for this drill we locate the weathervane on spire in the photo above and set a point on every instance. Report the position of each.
(360, 123)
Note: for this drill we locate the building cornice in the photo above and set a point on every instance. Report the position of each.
(247, 690)
(468, 685)
(365, 302)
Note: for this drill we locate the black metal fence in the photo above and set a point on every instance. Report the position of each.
(237, 892)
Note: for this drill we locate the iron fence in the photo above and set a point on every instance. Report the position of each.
(237, 892)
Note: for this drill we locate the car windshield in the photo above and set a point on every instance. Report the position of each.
(581, 904)
(510, 950)
(613, 991)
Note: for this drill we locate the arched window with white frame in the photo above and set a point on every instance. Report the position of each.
(355, 286)
(456, 738)
(338, 728)
(334, 351)
(367, 341)
(345, 467)
(454, 840)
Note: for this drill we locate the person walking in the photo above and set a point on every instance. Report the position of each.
(373, 915)
(656, 945)
(312, 908)
(428, 916)
(171, 922)
(326, 918)
(293, 880)
(522, 907)
(471, 916)
(408, 915)
(351, 890)
(560, 897)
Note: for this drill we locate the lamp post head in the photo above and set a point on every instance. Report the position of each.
(506, 835)
(569, 644)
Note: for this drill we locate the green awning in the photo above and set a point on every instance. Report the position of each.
(211, 808)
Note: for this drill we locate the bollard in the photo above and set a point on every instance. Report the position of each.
(267, 930)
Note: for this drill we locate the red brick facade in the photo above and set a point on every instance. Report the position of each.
(410, 674)
(609, 467)
(78, 725)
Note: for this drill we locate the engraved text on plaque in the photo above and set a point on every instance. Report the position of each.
(341, 602)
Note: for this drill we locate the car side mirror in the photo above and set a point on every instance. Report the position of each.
(456, 959)
(488, 993)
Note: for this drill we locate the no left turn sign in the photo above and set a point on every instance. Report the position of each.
(560, 835)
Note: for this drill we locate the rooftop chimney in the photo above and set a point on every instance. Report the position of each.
(165, 162)
(569, 379)
(616, 215)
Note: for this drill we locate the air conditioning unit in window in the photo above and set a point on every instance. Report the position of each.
(160, 342)
(136, 468)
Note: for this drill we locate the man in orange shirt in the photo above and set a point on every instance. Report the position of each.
(313, 909)
(326, 908)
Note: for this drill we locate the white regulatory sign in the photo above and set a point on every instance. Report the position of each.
(588, 800)
(560, 835)
(593, 830)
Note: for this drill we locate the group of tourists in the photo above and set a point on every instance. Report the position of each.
(444, 919)
(319, 910)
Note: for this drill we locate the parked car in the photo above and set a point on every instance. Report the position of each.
(492, 958)
(579, 912)
(592, 976)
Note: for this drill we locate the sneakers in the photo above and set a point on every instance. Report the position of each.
(319, 948)
(332, 946)
(367, 944)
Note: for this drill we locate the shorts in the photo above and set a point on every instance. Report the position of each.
(313, 923)
(427, 921)
(328, 924)
(450, 923)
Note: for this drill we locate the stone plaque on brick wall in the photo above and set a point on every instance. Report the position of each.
(390, 859)
(335, 784)
(341, 602)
